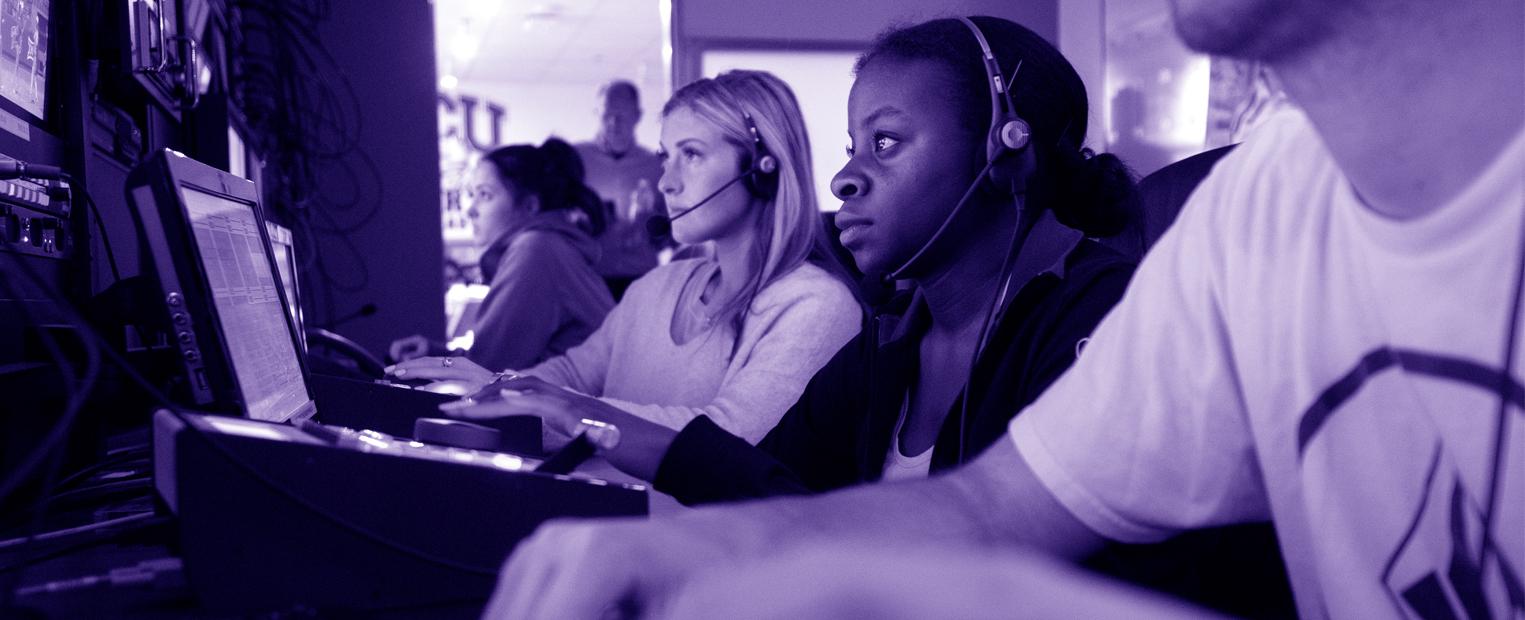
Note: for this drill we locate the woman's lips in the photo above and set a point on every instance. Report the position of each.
(853, 232)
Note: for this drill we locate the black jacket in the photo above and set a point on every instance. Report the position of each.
(839, 432)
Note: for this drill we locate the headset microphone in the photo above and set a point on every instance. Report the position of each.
(660, 226)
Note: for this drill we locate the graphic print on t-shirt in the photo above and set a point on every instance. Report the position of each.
(1457, 551)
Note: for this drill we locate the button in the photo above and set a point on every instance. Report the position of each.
(173, 299)
(185, 338)
(179, 318)
(191, 355)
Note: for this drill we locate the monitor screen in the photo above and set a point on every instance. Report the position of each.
(24, 53)
(283, 248)
(251, 317)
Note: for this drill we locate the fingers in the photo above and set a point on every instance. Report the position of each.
(396, 349)
(436, 368)
(512, 403)
(556, 413)
(555, 573)
(527, 383)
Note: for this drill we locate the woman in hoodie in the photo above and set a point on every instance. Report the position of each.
(544, 296)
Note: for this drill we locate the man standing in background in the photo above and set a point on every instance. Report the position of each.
(625, 176)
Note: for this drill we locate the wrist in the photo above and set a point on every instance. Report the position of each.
(642, 448)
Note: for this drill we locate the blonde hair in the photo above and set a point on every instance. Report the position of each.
(795, 231)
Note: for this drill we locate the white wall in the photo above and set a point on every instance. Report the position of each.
(821, 81)
(701, 25)
(565, 109)
(1082, 41)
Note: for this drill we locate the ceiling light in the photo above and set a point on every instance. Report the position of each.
(464, 48)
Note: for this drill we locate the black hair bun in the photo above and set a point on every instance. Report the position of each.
(1099, 197)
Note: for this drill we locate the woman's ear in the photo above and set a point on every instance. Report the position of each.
(531, 203)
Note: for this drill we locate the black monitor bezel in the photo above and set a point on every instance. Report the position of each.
(183, 284)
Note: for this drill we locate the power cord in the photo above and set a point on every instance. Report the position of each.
(74, 532)
(160, 572)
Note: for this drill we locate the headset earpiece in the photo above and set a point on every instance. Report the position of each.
(1013, 134)
(767, 165)
(761, 167)
(1008, 132)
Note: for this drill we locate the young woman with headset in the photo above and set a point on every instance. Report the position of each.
(981, 200)
(733, 336)
(544, 297)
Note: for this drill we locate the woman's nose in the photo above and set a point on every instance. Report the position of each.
(848, 184)
(668, 183)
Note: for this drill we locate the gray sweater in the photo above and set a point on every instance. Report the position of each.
(795, 325)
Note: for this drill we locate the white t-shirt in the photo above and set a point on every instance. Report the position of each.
(898, 466)
(1286, 353)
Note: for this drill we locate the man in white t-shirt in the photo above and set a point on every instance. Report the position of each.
(1325, 339)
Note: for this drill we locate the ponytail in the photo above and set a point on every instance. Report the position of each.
(564, 187)
(1096, 193)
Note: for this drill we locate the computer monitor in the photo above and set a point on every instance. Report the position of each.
(283, 249)
(24, 33)
(216, 274)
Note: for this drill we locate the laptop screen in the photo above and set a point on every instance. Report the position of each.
(252, 318)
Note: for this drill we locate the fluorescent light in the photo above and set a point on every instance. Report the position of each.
(464, 48)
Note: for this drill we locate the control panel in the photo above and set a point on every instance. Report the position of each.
(34, 217)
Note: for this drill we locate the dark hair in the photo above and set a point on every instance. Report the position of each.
(1092, 193)
(553, 172)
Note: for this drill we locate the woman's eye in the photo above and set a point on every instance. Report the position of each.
(662, 156)
(850, 151)
(690, 154)
(882, 142)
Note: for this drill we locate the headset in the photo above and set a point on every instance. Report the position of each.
(1008, 134)
(759, 175)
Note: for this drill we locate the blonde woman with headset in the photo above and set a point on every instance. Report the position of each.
(734, 335)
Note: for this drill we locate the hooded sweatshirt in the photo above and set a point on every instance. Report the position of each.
(544, 296)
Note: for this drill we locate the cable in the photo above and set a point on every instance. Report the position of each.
(79, 391)
(67, 545)
(118, 459)
(1019, 234)
(143, 573)
(74, 531)
(114, 487)
(100, 226)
